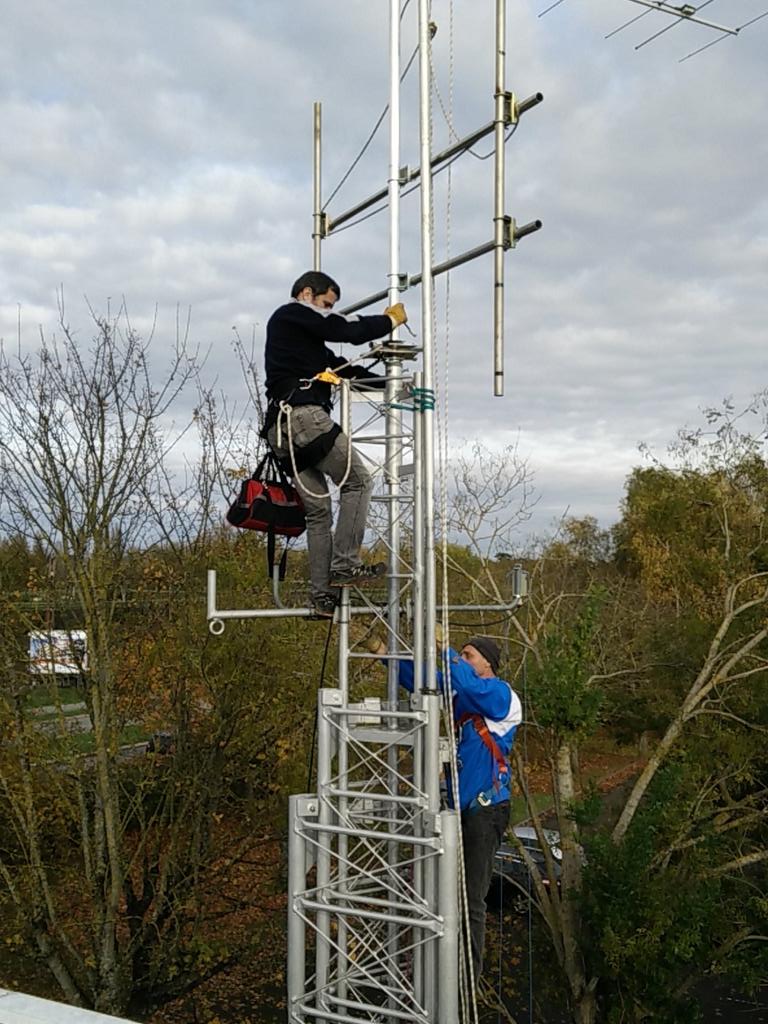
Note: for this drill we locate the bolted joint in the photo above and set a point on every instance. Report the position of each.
(511, 112)
(509, 228)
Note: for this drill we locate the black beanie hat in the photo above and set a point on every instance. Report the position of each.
(488, 648)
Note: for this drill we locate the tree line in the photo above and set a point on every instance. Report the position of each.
(123, 875)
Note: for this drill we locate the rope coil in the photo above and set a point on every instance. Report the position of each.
(287, 410)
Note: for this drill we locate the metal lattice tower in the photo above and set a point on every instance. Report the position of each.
(374, 908)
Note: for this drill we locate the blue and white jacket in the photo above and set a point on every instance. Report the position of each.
(495, 701)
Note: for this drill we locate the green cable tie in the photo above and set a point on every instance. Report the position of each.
(423, 399)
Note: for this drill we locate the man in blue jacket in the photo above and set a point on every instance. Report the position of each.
(296, 352)
(486, 714)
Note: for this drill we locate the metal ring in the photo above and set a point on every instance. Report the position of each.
(216, 626)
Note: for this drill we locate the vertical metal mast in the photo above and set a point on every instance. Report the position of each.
(427, 339)
(317, 195)
(373, 923)
(393, 416)
(499, 247)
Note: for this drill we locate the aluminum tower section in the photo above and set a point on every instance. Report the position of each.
(374, 860)
(373, 900)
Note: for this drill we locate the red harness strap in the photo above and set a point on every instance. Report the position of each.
(482, 730)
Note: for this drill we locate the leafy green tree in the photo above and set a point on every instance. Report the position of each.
(674, 876)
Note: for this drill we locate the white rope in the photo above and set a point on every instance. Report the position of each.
(286, 410)
(466, 968)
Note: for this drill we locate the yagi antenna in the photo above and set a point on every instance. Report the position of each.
(687, 12)
(719, 39)
(682, 13)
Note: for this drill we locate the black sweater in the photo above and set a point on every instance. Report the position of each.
(296, 350)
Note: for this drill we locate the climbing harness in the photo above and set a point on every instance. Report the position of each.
(322, 441)
(501, 768)
(306, 456)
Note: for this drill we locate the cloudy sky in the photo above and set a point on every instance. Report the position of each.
(162, 152)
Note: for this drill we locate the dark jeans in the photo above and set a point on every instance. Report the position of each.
(482, 832)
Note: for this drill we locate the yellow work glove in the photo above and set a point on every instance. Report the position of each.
(396, 314)
(327, 376)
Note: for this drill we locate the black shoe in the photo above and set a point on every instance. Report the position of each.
(323, 606)
(359, 576)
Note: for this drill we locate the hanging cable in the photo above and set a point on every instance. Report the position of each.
(371, 137)
(448, 116)
(413, 188)
(530, 880)
(313, 744)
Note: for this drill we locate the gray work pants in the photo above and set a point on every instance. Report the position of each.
(342, 551)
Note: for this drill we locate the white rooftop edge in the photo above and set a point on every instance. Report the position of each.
(18, 1008)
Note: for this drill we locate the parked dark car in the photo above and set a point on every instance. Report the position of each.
(161, 742)
(510, 883)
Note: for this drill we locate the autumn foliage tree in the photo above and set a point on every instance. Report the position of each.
(122, 868)
(673, 881)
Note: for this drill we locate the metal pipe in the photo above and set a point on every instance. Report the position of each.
(376, 798)
(427, 340)
(317, 212)
(296, 928)
(500, 125)
(340, 911)
(394, 366)
(368, 833)
(430, 867)
(421, 975)
(448, 905)
(210, 595)
(344, 1018)
(393, 449)
(342, 953)
(440, 158)
(373, 901)
(410, 176)
(529, 103)
(427, 333)
(526, 229)
(418, 557)
(324, 840)
(455, 261)
(365, 712)
(376, 1010)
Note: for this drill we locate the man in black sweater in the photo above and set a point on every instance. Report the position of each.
(301, 432)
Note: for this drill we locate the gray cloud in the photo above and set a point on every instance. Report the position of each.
(163, 153)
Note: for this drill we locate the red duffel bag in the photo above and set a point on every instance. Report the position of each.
(267, 502)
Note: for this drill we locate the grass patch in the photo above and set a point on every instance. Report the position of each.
(84, 742)
(78, 743)
(44, 695)
(50, 716)
(519, 809)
